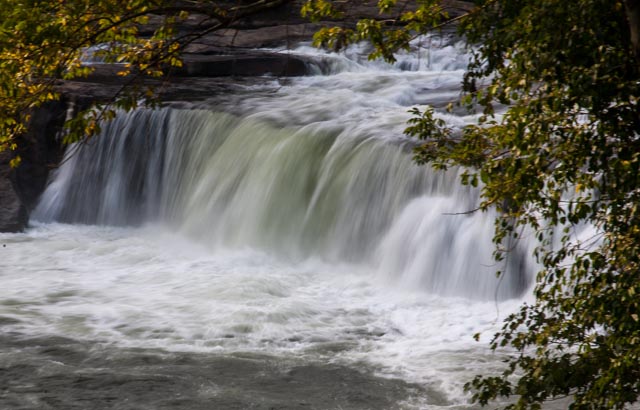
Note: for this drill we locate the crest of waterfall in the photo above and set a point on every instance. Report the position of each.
(301, 192)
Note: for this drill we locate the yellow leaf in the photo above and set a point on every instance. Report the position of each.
(15, 162)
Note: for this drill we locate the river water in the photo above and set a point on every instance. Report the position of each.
(274, 250)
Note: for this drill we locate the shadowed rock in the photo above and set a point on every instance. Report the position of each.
(40, 151)
(13, 215)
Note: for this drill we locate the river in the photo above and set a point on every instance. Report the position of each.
(277, 249)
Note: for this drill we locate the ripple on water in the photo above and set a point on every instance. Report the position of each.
(56, 372)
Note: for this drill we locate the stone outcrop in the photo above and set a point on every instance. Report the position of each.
(13, 214)
(40, 151)
(283, 26)
(243, 65)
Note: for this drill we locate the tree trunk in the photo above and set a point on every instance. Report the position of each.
(632, 8)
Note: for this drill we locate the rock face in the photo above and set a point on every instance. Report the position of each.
(40, 151)
(13, 214)
(283, 26)
(214, 64)
(242, 65)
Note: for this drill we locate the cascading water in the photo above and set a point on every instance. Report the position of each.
(301, 192)
(297, 227)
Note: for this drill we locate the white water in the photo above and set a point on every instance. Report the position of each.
(299, 228)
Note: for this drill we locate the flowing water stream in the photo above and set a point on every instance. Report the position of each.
(278, 250)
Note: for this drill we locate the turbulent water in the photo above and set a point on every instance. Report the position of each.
(280, 251)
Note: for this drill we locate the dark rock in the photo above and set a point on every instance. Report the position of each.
(201, 61)
(40, 151)
(13, 215)
(285, 35)
(247, 65)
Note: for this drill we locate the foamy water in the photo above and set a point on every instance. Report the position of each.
(150, 288)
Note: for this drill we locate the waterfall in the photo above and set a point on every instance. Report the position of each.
(296, 192)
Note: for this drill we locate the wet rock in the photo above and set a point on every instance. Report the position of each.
(40, 151)
(286, 35)
(13, 215)
(243, 65)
